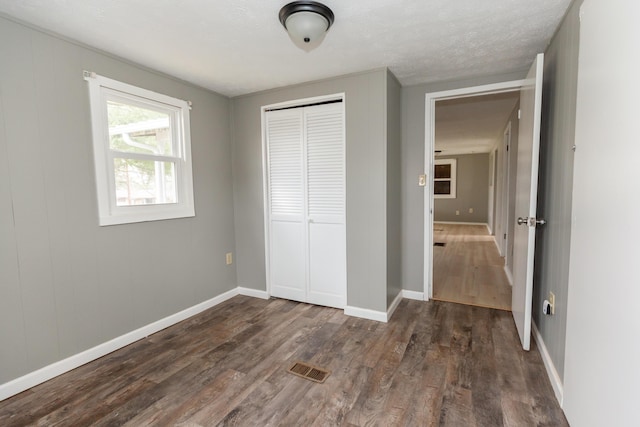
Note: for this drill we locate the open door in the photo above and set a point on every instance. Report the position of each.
(526, 198)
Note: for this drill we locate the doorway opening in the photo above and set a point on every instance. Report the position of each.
(465, 235)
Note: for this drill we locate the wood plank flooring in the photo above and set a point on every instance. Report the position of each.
(469, 268)
(433, 364)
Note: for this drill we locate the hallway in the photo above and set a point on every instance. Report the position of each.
(468, 269)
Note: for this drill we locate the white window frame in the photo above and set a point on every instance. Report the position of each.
(100, 90)
(452, 179)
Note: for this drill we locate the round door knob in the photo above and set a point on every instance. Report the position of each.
(522, 221)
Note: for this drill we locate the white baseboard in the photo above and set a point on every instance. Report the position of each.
(554, 377)
(34, 378)
(495, 240)
(253, 293)
(413, 295)
(463, 223)
(509, 275)
(365, 313)
(394, 305)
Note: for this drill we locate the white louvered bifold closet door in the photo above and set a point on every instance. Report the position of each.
(306, 194)
(287, 225)
(327, 279)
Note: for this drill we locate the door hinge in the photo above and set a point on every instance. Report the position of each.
(504, 236)
(519, 113)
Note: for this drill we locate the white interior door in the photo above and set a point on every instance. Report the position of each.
(306, 195)
(526, 197)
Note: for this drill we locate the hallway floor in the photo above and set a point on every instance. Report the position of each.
(468, 269)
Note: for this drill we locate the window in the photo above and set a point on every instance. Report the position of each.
(444, 179)
(142, 153)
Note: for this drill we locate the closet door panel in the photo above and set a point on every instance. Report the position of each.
(324, 138)
(288, 260)
(287, 225)
(327, 265)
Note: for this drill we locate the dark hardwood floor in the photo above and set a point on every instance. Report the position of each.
(434, 363)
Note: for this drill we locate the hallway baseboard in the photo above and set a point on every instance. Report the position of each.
(554, 377)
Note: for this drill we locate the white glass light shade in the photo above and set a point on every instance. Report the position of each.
(306, 27)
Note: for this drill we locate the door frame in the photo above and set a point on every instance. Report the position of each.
(493, 194)
(506, 180)
(294, 103)
(429, 143)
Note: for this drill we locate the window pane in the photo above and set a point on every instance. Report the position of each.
(144, 182)
(442, 187)
(135, 129)
(442, 171)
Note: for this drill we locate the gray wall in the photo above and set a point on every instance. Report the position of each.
(555, 185)
(413, 115)
(472, 191)
(366, 152)
(67, 284)
(394, 202)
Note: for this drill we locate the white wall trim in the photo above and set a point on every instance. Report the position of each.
(554, 377)
(253, 293)
(429, 144)
(413, 295)
(41, 375)
(365, 313)
(509, 275)
(394, 305)
(462, 223)
(495, 240)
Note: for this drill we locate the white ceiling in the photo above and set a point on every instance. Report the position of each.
(472, 124)
(236, 47)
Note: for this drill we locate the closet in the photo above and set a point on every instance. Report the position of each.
(305, 196)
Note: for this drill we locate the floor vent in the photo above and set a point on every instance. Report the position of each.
(439, 244)
(309, 372)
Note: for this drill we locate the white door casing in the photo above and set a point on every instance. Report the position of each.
(492, 193)
(305, 195)
(526, 199)
(429, 132)
(504, 238)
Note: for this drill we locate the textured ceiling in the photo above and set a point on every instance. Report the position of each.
(238, 47)
(472, 124)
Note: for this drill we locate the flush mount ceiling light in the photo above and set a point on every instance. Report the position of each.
(307, 22)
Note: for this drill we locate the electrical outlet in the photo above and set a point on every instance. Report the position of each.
(470, 210)
(457, 212)
(552, 302)
(229, 256)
